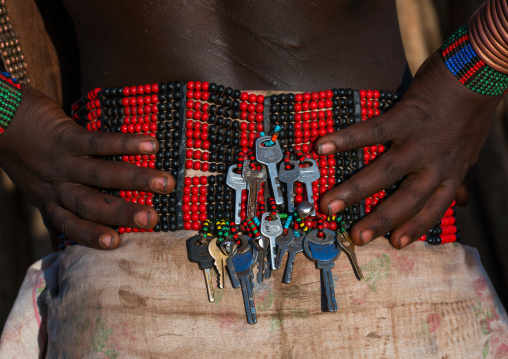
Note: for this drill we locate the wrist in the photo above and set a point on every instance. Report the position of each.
(10, 98)
(468, 67)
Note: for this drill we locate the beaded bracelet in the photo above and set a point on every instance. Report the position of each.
(206, 127)
(463, 62)
(10, 97)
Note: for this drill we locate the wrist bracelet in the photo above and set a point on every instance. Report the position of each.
(10, 97)
(463, 62)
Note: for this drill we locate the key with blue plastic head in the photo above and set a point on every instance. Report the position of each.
(243, 264)
(323, 251)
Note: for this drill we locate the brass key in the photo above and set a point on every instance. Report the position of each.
(219, 260)
(348, 247)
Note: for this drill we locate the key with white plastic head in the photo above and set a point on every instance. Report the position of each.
(289, 177)
(270, 156)
(236, 181)
(253, 178)
(307, 176)
(272, 228)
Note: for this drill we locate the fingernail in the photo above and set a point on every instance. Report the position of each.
(106, 241)
(366, 236)
(160, 184)
(404, 241)
(147, 146)
(335, 206)
(142, 219)
(326, 148)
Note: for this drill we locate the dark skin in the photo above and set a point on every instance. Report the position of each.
(436, 131)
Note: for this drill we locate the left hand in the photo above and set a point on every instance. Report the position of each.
(436, 132)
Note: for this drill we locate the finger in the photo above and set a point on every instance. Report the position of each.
(85, 143)
(427, 218)
(377, 130)
(403, 204)
(82, 231)
(380, 174)
(462, 197)
(99, 207)
(120, 175)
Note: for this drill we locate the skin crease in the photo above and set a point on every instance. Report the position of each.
(273, 45)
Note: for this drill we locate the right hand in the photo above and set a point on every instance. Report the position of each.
(50, 159)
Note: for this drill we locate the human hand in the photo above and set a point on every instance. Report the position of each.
(436, 133)
(50, 159)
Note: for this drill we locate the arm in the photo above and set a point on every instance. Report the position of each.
(436, 133)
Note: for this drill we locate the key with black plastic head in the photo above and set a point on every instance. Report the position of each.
(197, 250)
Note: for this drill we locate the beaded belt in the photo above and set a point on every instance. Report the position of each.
(204, 127)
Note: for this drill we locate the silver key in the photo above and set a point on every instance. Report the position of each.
(348, 247)
(237, 182)
(219, 260)
(261, 243)
(253, 178)
(307, 176)
(282, 242)
(323, 252)
(289, 177)
(270, 156)
(272, 229)
(294, 248)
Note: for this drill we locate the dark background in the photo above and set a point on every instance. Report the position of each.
(424, 23)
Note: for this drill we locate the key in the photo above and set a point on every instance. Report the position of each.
(261, 243)
(243, 264)
(267, 271)
(348, 247)
(237, 182)
(219, 260)
(272, 229)
(294, 248)
(307, 176)
(289, 177)
(282, 243)
(244, 247)
(270, 156)
(253, 178)
(324, 253)
(198, 253)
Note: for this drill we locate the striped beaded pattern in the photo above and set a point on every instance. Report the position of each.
(206, 127)
(10, 97)
(463, 62)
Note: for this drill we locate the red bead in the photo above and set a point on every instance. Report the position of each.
(187, 226)
(205, 167)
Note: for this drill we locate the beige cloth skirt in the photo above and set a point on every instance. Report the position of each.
(146, 300)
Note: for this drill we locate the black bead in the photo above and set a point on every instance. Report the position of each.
(212, 87)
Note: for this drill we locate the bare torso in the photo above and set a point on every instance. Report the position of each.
(263, 44)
